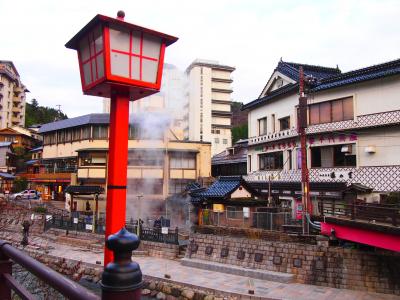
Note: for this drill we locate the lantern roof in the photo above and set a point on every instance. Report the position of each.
(99, 19)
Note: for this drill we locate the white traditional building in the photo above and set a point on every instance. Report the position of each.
(353, 134)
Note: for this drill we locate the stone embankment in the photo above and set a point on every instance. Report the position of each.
(314, 263)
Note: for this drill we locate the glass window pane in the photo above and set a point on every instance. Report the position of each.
(149, 70)
(192, 163)
(348, 113)
(119, 39)
(93, 62)
(98, 39)
(326, 157)
(325, 112)
(84, 49)
(119, 64)
(135, 69)
(100, 65)
(337, 111)
(151, 46)
(86, 73)
(314, 114)
(136, 37)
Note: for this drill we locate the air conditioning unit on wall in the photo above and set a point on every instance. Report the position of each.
(370, 149)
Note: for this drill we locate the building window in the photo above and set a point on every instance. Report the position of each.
(177, 186)
(216, 140)
(234, 212)
(100, 132)
(284, 123)
(68, 135)
(76, 134)
(183, 160)
(146, 158)
(86, 133)
(271, 161)
(148, 186)
(331, 111)
(289, 159)
(92, 159)
(249, 162)
(262, 126)
(225, 141)
(333, 156)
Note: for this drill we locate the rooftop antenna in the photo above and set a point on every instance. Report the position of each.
(59, 112)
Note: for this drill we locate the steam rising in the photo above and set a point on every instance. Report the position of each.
(155, 120)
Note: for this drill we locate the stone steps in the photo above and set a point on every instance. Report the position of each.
(236, 270)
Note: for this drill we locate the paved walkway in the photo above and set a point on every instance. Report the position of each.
(233, 284)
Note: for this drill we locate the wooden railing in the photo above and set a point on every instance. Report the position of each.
(121, 279)
(9, 254)
(388, 214)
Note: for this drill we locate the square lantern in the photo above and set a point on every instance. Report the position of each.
(116, 55)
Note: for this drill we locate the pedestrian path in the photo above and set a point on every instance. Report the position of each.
(227, 283)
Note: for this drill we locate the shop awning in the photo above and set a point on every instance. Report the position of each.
(84, 189)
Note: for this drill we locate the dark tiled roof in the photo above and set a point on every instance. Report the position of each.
(327, 78)
(78, 121)
(222, 187)
(7, 175)
(289, 88)
(84, 189)
(360, 75)
(292, 70)
(239, 155)
(5, 144)
(36, 149)
(32, 162)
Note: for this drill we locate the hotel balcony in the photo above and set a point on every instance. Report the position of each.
(17, 99)
(17, 110)
(16, 119)
(220, 113)
(220, 90)
(18, 90)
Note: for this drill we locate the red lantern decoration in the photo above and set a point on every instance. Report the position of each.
(124, 62)
(114, 54)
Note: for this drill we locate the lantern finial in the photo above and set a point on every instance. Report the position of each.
(120, 15)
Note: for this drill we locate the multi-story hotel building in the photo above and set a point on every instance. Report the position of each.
(353, 134)
(12, 96)
(160, 162)
(209, 108)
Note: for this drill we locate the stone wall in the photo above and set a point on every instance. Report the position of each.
(318, 264)
(163, 250)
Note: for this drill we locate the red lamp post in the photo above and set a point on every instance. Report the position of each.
(124, 62)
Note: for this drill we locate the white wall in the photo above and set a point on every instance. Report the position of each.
(281, 108)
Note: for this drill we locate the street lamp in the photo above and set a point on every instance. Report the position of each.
(124, 62)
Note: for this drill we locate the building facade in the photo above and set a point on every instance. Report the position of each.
(160, 162)
(209, 108)
(12, 96)
(232, 161)
(353, 134)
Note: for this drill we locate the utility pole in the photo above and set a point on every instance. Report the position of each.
(302, 125)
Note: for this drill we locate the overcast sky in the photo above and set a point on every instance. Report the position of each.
(249, 35)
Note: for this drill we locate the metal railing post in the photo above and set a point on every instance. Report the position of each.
(122, 278)
(176, 236)
(5, 268)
